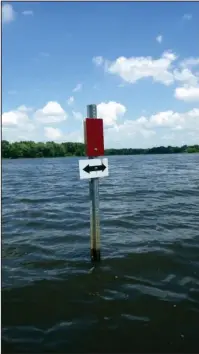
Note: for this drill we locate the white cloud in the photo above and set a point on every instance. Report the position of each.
(165, 119)
(17, 124)
(52, 133)
(77, 115)
(136, 68)
(70, 101)
(162, 128)
(185, 76)
(15, 118)
(170, 119)
(187, 17)
(77, 88)
(159, 38)
(24, 108)
(75, 136)
(110, 112)
(8, 13)
(189, 91)
(189, 62)
(98, 61)
(9, 118)
(187, 94)
(25, 132)
(56, 134)
(166, 69)
(52, 112)
(27, 13)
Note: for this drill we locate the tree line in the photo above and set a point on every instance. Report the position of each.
(31, 149)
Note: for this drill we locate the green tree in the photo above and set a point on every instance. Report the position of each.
(51, 149)
(5, 148)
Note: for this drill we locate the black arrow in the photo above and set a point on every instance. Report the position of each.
(89, 168)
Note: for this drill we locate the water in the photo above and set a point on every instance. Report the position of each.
(142, 297)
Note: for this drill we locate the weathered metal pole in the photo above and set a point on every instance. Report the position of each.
(94, 204)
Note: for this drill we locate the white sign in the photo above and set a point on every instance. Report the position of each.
(93, 168)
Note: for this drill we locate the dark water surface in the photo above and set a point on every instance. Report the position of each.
(142, 297)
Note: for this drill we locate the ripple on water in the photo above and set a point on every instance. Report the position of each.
(145, 293)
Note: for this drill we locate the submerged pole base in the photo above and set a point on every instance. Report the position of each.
(95, 255)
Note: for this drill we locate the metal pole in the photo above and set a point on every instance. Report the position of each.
(94, 204)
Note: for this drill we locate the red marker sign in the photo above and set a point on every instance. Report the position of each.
(94, 137)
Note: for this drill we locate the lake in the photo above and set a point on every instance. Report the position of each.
(144, 294)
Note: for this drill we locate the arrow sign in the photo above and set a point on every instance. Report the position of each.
(93, 168)
(89, 168)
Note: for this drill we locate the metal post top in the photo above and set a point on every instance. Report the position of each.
(92, 111)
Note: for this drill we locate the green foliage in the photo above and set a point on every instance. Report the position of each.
(31, 149)
(154, 150)
(192, 149)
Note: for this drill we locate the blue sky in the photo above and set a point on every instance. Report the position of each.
(139, 62)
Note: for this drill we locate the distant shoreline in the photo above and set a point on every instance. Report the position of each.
(56, 157)
(30, 149)
(141, 154)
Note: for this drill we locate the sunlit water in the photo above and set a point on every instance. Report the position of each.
(142, 297)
